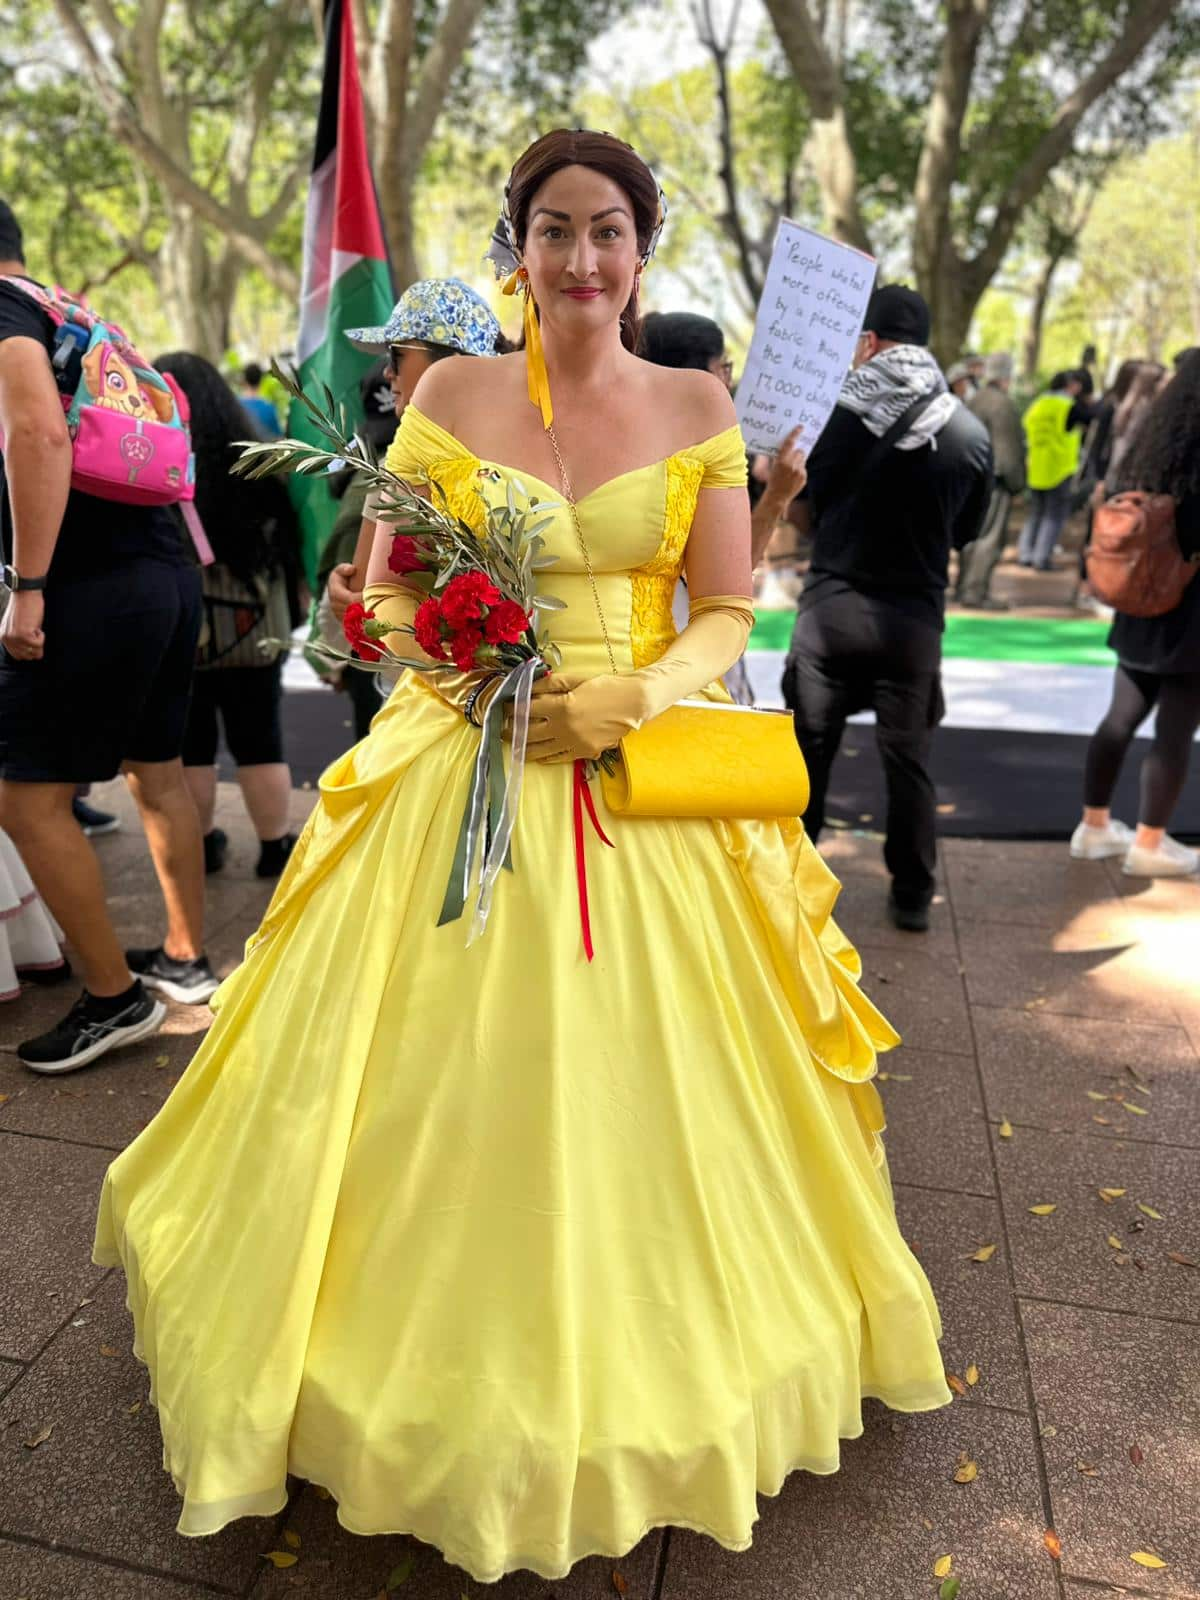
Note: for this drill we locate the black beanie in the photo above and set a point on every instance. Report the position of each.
(899, 314)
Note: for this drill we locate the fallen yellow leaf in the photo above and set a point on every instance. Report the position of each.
(956, 1384)
(292, 1540)
(1115, 1242)
(1138, 1111)
(941, 1567)
(967, 1473)
(1087, 1469)
(3, 1098)
(38, 1438)
(1110, 1194)
(1042, 1211)
(984, 1253)
(132, 1411)
(1149, 1211)
(1053, 1543)
(1145, 1559)
(162, 1061)
(280, 1558)
(1005, 1128)
(972, 1374)
(1093, 1094)
(109, 1350)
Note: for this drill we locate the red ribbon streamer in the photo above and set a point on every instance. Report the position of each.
(583, 798)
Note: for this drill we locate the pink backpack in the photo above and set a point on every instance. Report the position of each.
(128, 422)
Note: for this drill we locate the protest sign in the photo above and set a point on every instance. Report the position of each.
(809, 318)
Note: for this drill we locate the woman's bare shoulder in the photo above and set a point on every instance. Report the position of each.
(449, 391)
(700, 401)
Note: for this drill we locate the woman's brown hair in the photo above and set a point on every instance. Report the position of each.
(567, 147)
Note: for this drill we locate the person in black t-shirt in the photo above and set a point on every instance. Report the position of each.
(97, 645)
(901, 474)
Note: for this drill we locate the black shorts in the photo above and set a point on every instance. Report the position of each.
(114, 682)
(248, 700)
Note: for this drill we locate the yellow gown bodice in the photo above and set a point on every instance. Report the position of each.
(635, 525)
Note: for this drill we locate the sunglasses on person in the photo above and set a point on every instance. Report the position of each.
(397, 352)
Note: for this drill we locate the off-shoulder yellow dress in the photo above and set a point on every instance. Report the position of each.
(518, 1254)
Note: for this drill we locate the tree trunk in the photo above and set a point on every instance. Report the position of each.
(934, 254)
(830, 149)
(951, 307)
(1037, 317)
(396, 203)
(198, 299)
(407, 108)
(836, 172)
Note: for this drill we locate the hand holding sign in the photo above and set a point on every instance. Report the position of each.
(812, 309)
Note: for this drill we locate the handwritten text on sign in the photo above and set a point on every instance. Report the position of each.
(809, 317)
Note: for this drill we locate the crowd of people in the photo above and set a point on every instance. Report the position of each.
(913, 467)
(492, 1113)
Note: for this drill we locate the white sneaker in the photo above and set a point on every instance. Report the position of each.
(1170, 860)
(1096, 844)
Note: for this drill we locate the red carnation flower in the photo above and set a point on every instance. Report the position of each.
(427, 629)
(407, 555)
(463, 646)
(505, 623)
(354, 626)
(464, 598)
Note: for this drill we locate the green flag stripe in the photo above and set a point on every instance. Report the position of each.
(361, 297)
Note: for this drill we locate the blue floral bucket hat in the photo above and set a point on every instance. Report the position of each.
(441, 311)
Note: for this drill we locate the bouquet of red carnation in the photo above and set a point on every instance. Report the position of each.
(481, 614)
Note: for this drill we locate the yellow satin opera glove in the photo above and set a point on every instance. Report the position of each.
(468, 692)
(578, 720)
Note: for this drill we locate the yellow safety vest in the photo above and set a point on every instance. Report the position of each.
(1053, 447)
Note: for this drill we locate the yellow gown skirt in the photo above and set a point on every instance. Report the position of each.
(518, 1254)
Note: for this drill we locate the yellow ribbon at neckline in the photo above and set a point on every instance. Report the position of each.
(535, 355)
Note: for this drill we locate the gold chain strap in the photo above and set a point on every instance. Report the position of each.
(587, 560)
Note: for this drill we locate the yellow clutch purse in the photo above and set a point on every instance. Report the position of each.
(701, 758)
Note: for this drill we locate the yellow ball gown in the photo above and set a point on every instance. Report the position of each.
(516, 1253)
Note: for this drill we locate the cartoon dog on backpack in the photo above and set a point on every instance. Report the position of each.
(114, 384)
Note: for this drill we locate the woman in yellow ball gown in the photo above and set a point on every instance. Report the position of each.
(516, 1252)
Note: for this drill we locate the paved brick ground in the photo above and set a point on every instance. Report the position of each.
(1050, 997)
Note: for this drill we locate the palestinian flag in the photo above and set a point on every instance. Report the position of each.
(347, 280)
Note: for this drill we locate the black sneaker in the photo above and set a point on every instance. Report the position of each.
(216, 844)
(273, 855)
(911, 918)
(94, 822)
(90, 1029)
(191, 983)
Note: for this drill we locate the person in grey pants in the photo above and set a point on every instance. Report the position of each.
(994, 408)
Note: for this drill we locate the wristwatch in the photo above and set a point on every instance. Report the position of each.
(13, 580)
